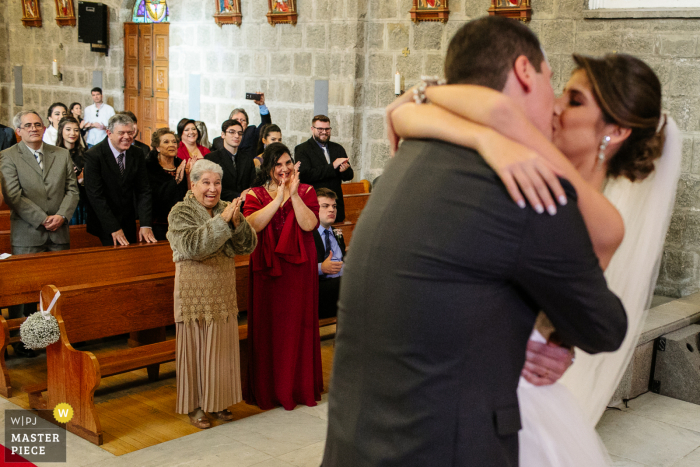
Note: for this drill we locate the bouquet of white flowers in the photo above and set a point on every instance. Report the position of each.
(40, 329)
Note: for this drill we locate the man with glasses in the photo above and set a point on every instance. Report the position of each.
(324, 164)
(330, 251)
(96, 118)
(116, 182)
(239, 170)
(39, 186)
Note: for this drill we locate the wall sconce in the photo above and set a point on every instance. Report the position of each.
(54, 69)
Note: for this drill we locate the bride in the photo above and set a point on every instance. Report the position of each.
(609, 134)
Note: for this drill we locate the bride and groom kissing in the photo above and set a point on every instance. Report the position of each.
(448, 273)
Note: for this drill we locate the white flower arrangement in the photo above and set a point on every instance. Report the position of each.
(38, 332)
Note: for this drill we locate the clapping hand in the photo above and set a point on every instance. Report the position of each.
(340, 161)
(232, 211)
(180, 173)
(344, 166)
(294, 180)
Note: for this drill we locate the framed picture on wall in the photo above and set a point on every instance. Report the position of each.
(31, 14)
(282, 11)
(430, 10)
(65, 14)
(228, 12)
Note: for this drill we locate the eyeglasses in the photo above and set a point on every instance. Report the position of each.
(321, 130)
(28, 126)
(232, 132)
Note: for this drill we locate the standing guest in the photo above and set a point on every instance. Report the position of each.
(205, 234)
(117, 186)
(167, 177)
(284, 346)
(7, 137)
(56, 112)
(239, 171)
(330, 251)
(324, 164)
(96, 119)
(146, 149)
(75, 110)
(189, 137)
(204, 139)
(269, 133)
(69, 138)
(38, 184)
(251, 133)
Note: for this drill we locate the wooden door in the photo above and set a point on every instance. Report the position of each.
(149, 100)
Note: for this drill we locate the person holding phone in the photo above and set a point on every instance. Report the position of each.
(251, 133)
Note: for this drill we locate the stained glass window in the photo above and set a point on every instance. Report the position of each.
(150, 11)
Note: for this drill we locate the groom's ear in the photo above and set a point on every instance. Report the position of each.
(524, 73)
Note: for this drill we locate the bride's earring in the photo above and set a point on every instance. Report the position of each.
(601, 152)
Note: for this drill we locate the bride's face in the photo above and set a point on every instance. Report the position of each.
(578, 127)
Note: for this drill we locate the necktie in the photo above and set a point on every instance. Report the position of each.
(120, 162)
(325, 153)
(327, 242)
(39, 159)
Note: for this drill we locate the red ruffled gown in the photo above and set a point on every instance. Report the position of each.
(284, 346)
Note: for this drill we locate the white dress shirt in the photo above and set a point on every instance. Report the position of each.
(92, 115)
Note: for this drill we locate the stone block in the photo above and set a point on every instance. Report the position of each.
(541, 9)
(323, 9)
(434, 65)
(410, 67)
(451, 28)
(688, 194)
(598, 43)
(322, 63)
(427, 36)
(557, 36)
(678, 266)
(251, 35)
(205, 86)
(383, 9)
(258, 9)
(397, 34)
(302, 64)
(338, 10)
(212, 62)
(359, 65)
(691, 234)
(674, 236)
(348, 66)
(385, 94)
(375, 126)
(300, 121)
(281, 119)
(375, 35)
(675, 25)
(280, 63)
(678, 46)
(228, 62)
(260, 64)
(638, 44)
(340, 35)
(379, 153)
(245, 61)
(476, 8)
(662, 68)
(381, 67)
(570, 8)
(357, 34)
(316, 36)
(686, 79)
(336, 68)
(289, 38)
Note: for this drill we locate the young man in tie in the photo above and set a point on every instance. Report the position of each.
(330, 250)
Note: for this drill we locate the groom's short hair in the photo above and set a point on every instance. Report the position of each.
(483, 51)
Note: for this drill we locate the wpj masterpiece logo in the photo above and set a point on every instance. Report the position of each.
(30, 438)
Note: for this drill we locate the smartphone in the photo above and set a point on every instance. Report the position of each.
(252, 96)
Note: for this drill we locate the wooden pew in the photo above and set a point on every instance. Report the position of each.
(4, 220)
(354, 204)
(79, 238)
(4, 207)
(346, 227)
(354, 188)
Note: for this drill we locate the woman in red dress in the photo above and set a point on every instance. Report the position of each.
(283, 340)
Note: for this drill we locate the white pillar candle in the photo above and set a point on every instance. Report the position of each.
(397, 83)
(55, 67)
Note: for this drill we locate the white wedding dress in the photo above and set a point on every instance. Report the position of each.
(558, 421)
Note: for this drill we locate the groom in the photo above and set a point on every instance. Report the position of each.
(444, 283)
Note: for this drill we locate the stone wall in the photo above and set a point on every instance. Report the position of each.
(36, 48)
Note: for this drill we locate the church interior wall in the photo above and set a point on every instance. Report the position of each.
(357, 45)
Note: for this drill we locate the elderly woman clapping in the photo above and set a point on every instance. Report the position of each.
(205, 234)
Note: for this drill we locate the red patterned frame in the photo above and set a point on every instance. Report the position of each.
(419, 12)
(31, 20)
(65, 13)
(288, 17)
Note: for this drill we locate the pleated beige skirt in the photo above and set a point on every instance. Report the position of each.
(208, 366)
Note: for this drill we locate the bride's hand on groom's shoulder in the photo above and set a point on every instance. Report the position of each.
(525, 173)
(546, 363)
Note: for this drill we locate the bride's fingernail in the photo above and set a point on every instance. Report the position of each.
(562, 200)
(521, 204)
(551, 210)
(539, 209)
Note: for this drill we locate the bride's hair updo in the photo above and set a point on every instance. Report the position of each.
(628, 93)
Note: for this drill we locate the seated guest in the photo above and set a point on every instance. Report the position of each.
(189, 137)
(284, 348)
(324, 164)
(202, 128)
(7, 137)
(167, 176)
(269, 133)
(205, 234)
(116, 182)
(238, 167)
(69, 138)
(251, 133)
(330, 251)
(56, 112)
(142, 146)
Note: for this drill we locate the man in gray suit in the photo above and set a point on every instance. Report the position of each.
(39, 186)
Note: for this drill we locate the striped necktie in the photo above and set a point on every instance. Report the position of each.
(39, 159)
(120, 162)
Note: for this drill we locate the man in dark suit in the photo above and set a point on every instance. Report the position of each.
(330, 251)
(39, 186)
(7, 137)
(324, 164)
(251, 133)
(116, 182)
(239, 170)
(446, 277)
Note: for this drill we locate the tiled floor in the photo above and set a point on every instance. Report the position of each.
(653, 431)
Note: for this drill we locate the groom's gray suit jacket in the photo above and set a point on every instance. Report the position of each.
(437, 302)
(33, 195)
